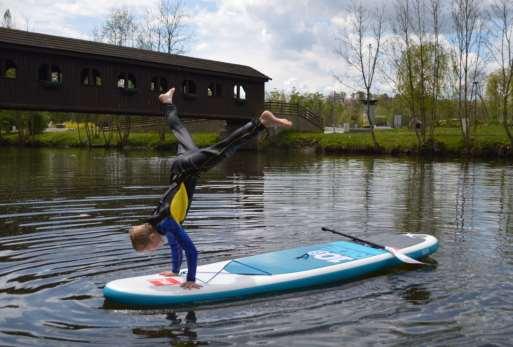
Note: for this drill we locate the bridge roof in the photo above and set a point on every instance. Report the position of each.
(25, 38)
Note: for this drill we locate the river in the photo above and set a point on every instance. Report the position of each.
(64, 215)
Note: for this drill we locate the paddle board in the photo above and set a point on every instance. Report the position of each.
(278, 271)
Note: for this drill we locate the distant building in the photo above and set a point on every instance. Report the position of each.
(335, 97)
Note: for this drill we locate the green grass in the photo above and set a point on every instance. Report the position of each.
(139, 140)
(488, 140)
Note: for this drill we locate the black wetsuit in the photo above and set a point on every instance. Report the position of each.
(189, 163)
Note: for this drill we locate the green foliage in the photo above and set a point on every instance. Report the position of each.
(495, 97)
(27, 123)
(37, 122)
(71, 138)
(6, 122)
(331, 109)
(58, 139)
(276, 95)
(58, 117)
(415, 76)
(420, 82)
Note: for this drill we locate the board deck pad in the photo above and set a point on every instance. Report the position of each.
(301, 258)
(276, 271)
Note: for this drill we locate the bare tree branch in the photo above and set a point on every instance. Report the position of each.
(501, 21)
(361, 49)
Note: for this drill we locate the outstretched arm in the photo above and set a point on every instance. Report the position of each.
(176, 255)
(191, 254)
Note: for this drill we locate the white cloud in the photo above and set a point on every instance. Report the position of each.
(284, 40)
(70, 18)
(293, 42)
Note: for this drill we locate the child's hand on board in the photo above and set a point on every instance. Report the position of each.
(190, 285)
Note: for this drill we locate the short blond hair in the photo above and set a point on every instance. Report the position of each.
(140, 235)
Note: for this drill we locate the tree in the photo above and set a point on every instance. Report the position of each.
(466, 61)
(119, 29)
(417, 61)
(148, 36)
(163, 29)
(6, 122)
(500, 83)
(29, 124)
(8, 20)
(361, 49)
(330, 110)
(276, 95)
(418, 83)
(494, 94)
(171, 16)
(439, 63)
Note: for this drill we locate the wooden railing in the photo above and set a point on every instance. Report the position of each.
(285, 109)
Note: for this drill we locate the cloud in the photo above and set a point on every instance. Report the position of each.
(70, 18)
(293, 42)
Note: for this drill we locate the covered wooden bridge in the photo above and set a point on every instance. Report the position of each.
(51, 73)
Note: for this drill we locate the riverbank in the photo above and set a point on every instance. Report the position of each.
(71, 138)
(489, 142)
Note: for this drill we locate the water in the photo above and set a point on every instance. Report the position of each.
(64, 216)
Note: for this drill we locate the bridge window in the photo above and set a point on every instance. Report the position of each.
(158, 84)
(97, 78)
(121, 81)
(51, 75)
(239, 92)
(214, 90)
(91, 77)
(55, 74)
(130, 82)
(189, 88)
(10, 69)
(126, 81)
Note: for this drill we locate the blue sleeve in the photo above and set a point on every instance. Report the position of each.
(190, 252)
(166, 227)
(176, 253)
(178, 240)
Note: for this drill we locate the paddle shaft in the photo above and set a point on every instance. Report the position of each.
(396, 253)
(372, 244)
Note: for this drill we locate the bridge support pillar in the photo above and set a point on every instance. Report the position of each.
(231, 126)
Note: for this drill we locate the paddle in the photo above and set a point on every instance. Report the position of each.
(402, 257)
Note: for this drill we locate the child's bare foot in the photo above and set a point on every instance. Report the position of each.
(268, 119)
(167, 98)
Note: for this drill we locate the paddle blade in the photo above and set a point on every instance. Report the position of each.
(403, 257)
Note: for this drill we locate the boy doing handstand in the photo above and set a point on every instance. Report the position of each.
(169, 215)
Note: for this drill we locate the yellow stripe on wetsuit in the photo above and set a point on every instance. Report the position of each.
(179, 204)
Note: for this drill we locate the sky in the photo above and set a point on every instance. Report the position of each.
(293, 41)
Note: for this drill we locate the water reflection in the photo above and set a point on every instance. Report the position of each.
(416, 295)
(179, 331)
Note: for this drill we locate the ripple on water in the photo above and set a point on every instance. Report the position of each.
(64, 235)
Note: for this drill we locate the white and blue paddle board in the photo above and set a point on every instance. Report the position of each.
(279, 271)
